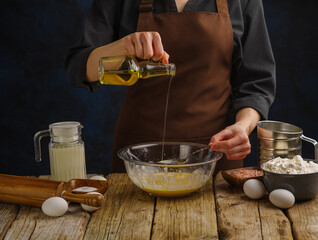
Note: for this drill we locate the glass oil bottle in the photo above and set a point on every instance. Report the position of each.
(126, 70)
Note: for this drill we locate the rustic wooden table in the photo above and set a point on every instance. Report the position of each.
(215, 212)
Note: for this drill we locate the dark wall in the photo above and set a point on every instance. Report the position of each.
(35, 36)
(292, 27)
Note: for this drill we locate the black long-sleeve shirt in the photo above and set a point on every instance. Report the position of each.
(253, 65)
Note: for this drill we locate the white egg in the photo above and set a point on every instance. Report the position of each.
(254, 189)
(98, 178)
(54, 206)
(282, 198)
(90, 208)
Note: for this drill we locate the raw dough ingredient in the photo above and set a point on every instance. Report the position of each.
(296, 165)
(282, 198)
(254, 189)
(54, 206)
(171, 184)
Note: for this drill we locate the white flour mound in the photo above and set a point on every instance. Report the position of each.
(296, 165)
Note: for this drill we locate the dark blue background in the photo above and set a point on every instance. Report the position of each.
(35, 36)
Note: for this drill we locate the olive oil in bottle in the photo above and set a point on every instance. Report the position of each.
(126, 70)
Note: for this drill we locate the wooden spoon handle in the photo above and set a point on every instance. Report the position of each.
(94, 200)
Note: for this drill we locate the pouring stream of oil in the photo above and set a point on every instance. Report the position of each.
(171, 161)
(165, 118)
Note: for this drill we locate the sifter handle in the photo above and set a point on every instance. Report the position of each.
(314, 142)
(94, 200)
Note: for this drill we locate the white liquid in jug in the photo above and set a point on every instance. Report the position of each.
(67, 162)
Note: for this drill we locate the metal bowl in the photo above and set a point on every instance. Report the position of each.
(303, 186)
(171, 169)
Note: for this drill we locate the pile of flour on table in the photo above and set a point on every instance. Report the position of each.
(296, 165)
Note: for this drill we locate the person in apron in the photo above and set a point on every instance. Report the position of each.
(201, 46)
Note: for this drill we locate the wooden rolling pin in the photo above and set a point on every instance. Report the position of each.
(34, 191)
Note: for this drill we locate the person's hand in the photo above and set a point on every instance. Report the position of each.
(145, 45)
(233, 141)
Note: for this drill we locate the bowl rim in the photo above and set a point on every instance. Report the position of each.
(139, 145)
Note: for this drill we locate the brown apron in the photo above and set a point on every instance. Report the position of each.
(200, 44)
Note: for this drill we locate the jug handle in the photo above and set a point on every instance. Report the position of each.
(37, 143)
(314, 142)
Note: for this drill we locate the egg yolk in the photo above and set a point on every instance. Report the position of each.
(172, 184)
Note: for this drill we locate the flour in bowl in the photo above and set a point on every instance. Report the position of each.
(296, 165)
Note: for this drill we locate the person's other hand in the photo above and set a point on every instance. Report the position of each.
(145, 45)
(233, 141)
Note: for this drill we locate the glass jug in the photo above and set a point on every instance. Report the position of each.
(66, 149)
(126, 70)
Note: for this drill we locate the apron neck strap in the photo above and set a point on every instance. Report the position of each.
(222, 6)
(146, 9)
(146, 6)
(145, 12)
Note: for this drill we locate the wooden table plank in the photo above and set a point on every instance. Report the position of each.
(23, 226)
(304, 219)
(191, 217)
(242, 218)
(71, 225)
(8, 213)
(32, 223)
(275, 225)
(237, 218)
(126, 214)
(130, 213)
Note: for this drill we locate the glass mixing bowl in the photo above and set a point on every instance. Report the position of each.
(171, 169)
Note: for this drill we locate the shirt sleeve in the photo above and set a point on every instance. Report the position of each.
(100, 28)
(253, 77)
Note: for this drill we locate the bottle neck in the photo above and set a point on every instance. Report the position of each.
(156, 69)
